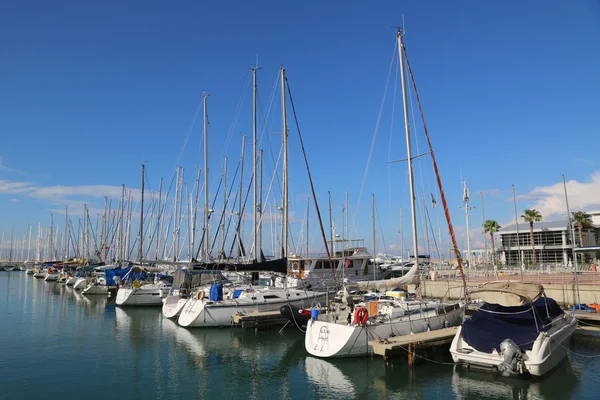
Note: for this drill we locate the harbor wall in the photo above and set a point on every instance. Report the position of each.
(563, 294)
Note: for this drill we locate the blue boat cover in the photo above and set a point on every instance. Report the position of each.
(135, 275)
(493, 323)
(216, 292)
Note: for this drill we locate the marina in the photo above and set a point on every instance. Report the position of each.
(136, 352)
(226, 201)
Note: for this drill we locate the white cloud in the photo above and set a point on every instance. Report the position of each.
(550, 200)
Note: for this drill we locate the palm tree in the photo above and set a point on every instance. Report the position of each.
(492, 227)
(582, 220)
(532, 216)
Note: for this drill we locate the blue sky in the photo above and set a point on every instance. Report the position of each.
(89, 91)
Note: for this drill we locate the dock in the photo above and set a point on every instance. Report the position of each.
(259, 320)
(587, 317)
(413, 345)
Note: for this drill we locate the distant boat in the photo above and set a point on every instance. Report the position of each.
(518, 330)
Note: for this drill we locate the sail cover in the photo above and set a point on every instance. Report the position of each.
(507, 293)
(410, 278)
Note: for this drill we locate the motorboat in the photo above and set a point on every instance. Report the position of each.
(218, 311)
(516, 331)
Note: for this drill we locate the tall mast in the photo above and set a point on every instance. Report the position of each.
(307, 220)
(141, 237)
(121, 247)
(66, 232)
(193, 245)
(158, 225)
(240, 202)
(29, 245)
(255, 184)
(373, 231)
(206, 211)
(260, 201)
(285, 165)
(466, 199)
(331, 224)
(225, 200)
(411, 179)
(51, 237)
(176, 204)
(483, 225)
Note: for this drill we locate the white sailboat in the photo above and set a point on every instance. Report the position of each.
(346, 331)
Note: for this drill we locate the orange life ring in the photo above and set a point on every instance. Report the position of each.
(361, 316)
(200, 295)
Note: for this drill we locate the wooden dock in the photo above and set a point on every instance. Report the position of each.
(587, 317)
(259, 320)
(413, 344)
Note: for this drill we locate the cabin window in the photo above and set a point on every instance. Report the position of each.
(324, 265)
(270, 296)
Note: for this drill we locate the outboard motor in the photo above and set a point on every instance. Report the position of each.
(513, 358)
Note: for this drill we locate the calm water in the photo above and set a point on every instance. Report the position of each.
(56, 343)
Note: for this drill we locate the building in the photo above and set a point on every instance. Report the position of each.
(552, 242)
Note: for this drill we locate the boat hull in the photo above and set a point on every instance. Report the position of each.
(549, 349)
(330, 339)
(95, 289)
(173, 305)
(138, 297)
(204, 313)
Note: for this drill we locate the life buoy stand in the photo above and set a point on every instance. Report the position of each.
(200, 295)
(361, 316)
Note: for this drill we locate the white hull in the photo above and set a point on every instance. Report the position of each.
(71, 281)
(549, 349)
(39, 275)
(94, 289)
(29, 272)
(205, 313)
(139, 296)
(173, 305)
(330, 339)
(80, 284)
(51, 277)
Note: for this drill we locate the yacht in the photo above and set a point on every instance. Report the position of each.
(516, 331)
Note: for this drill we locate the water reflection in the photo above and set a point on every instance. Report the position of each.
(558, 384)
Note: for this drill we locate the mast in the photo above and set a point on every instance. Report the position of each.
(51, 237)
(518, 239)
(373, 232)
(240, 203)
(66, 232)
(141, 235)
(260, 200)
(254, 183)
(483, 224)
(121, 211)
(572, 232)
(285, 165)
(206, 211)
(158, 225)
(29, 245)
(466, 199)
(225, 200)
(411, 179)
(307, 220)
(193, 234)
(331, 224)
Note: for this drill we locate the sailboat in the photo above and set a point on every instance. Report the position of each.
(217, 309)
(346, 331)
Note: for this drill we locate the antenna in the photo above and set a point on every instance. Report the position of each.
(403, 28)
